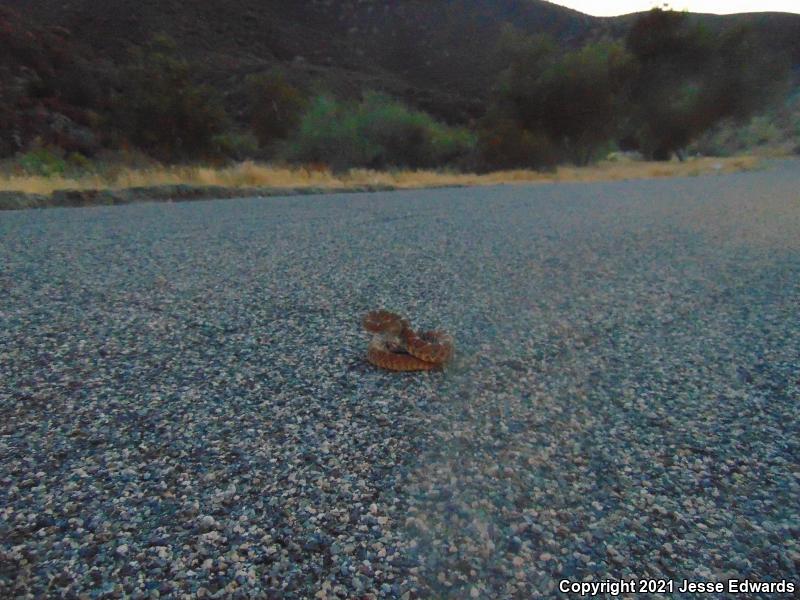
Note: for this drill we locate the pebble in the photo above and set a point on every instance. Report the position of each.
(185, 400)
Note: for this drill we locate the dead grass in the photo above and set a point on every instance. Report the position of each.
(249, 175)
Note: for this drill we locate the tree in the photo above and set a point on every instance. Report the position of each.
(747, 78)
(688, 80)
(160, 108)
(573, 99)
(276, 106)
(581, 98)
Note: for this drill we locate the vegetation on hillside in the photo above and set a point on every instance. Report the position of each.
(159, 109)
(689, 80)
(660, 89)
(774, 132)
(377, 133)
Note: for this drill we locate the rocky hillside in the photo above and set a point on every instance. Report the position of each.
(425, 51)
(435, 55)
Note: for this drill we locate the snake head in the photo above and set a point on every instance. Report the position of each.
(384, 321)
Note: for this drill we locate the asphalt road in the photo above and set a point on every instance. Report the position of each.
(185, 405)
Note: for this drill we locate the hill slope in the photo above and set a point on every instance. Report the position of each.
(435, 55)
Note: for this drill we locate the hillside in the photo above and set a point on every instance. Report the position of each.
(778, 32)
(436, 56)
(433, 54)
(419, 49)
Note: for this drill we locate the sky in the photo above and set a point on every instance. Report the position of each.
(620, 7)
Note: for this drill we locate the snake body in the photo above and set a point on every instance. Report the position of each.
(397, 347)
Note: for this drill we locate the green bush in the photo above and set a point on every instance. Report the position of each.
(378, 132)
(400, 135)
(42, 161)
(328, 133)
(452, 146)
(238, 146)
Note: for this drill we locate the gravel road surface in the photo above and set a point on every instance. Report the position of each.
(185, 409)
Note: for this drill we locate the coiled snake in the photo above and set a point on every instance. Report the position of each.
(397, 347)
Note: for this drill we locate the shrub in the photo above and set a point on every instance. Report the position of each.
(690, 80)
(581, 96)
(452, 145)
(775, 130)
(553, 104)
(329, 133)
(378, 132)
(162, 110)
(400, 135)
(238, 146)
(45, 162)
(78, 162)
(669, 81)
(275, 106)
(409, 138)
(503, 144)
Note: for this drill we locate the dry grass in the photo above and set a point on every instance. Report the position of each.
(249, 175)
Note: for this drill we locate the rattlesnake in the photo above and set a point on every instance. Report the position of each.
(397, 347)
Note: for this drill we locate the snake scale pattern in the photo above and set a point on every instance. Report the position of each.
(397, 347)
